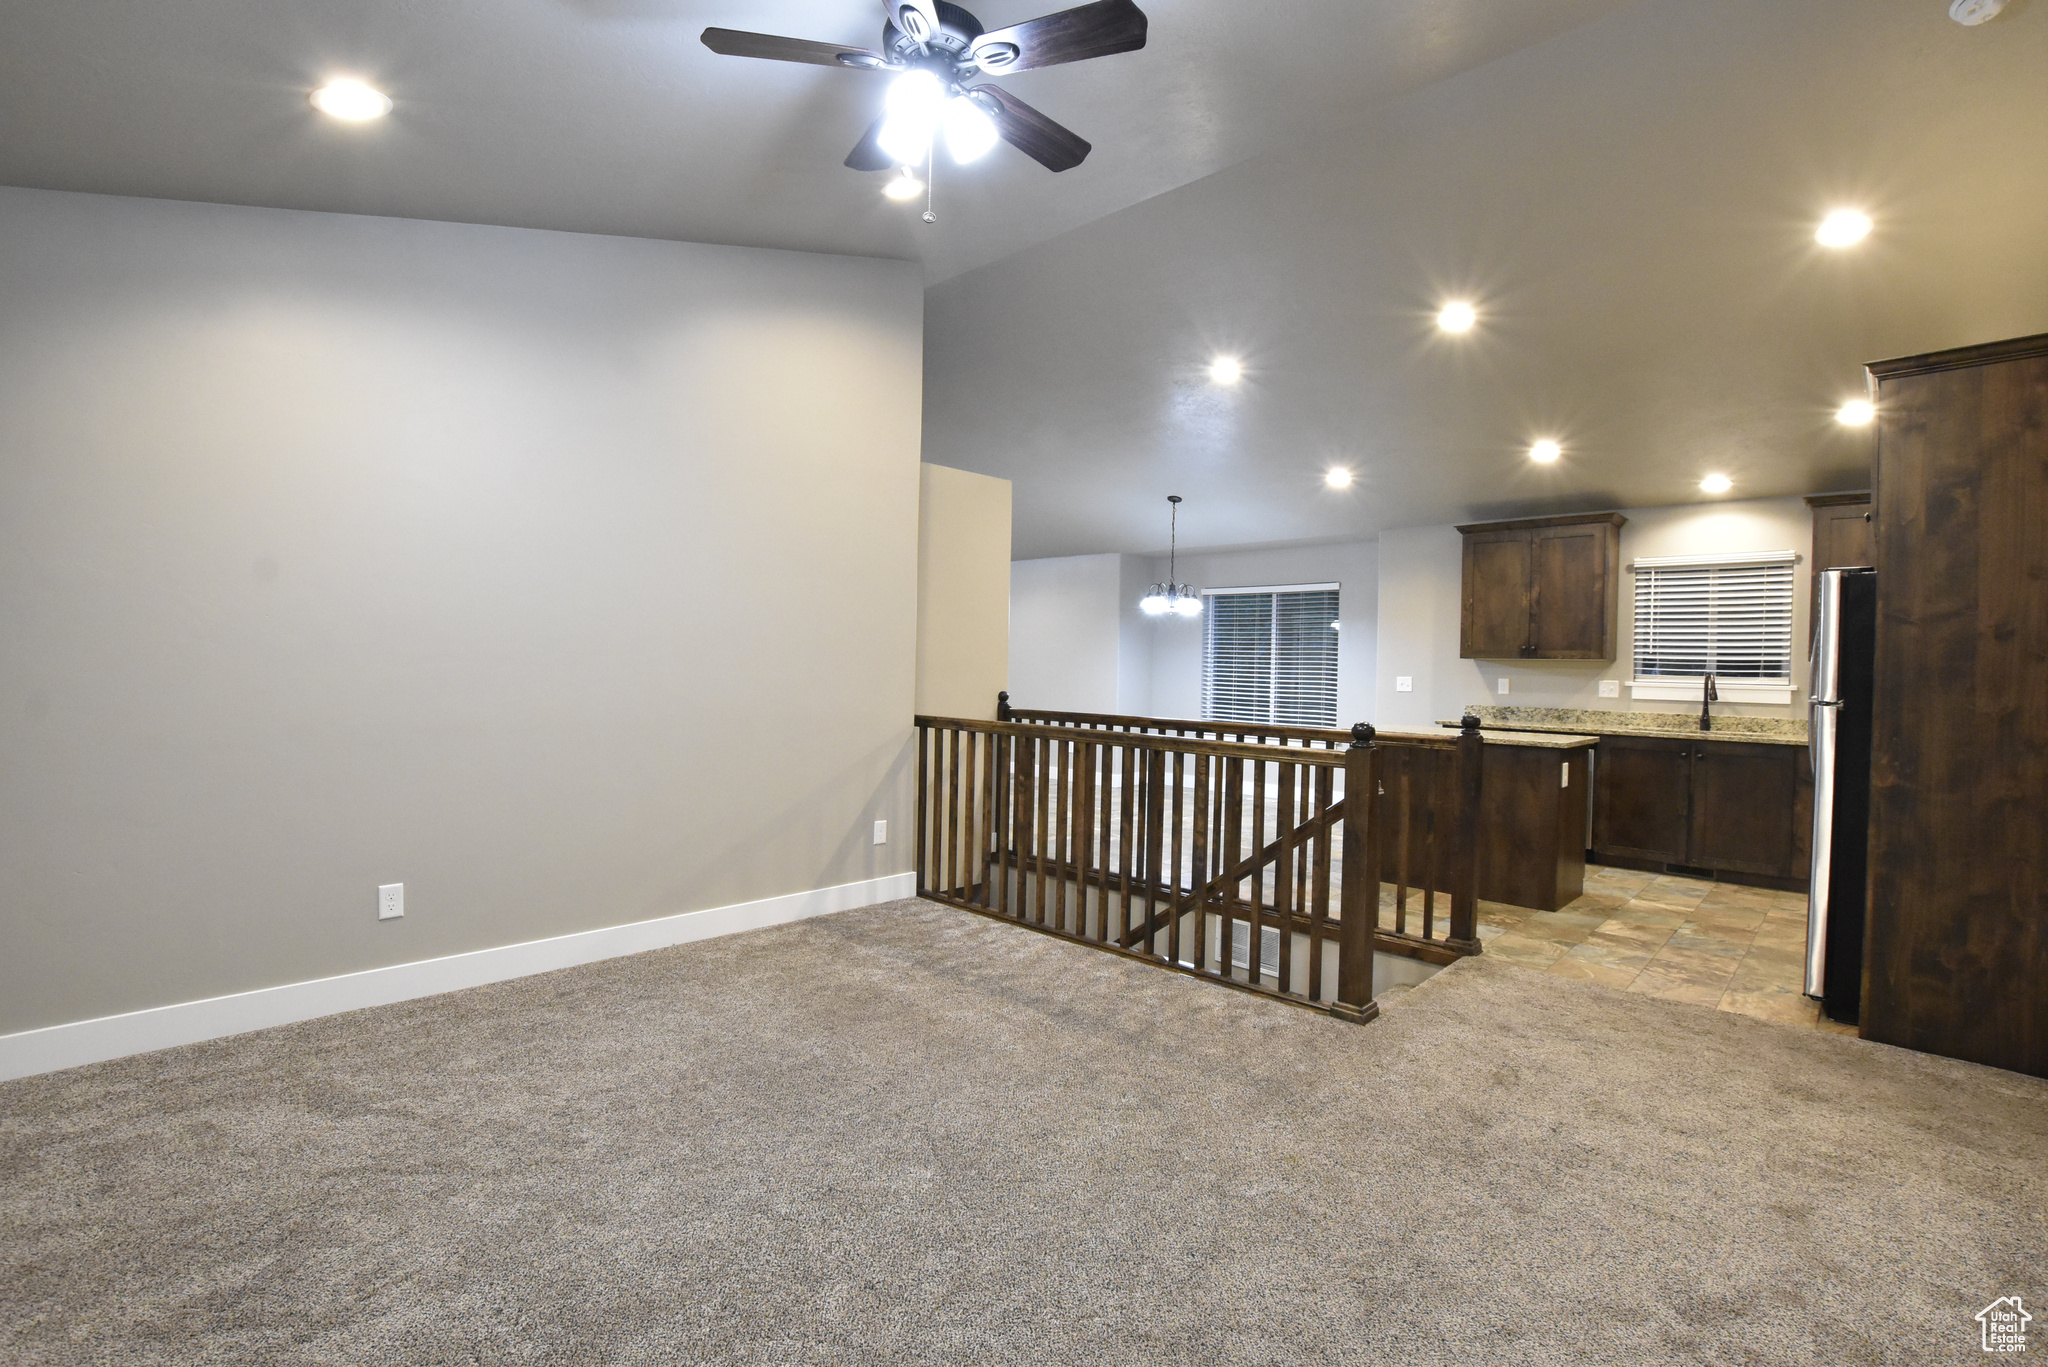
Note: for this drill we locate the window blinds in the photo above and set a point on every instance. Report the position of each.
(1270, 655)
(1731, 616)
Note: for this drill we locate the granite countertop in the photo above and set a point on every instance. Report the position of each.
(1545, 740)
(1583, 722)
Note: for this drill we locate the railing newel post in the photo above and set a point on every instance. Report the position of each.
(1464, 935)
(1359, 892)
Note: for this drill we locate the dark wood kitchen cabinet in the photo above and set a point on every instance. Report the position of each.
(1956, 942)
(1542, 588)
(1842, 534)
(1726, 806)
(1841, 531)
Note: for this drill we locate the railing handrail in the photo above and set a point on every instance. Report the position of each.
(1139, 740)
(1335, 738)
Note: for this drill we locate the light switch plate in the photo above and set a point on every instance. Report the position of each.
(1610, 688)
(1404, 683)
(881, 832)
(390, 901)
(1503, 686)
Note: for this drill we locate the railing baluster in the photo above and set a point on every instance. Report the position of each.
(924, 801)
(1038, 798)
(978, 772)
(1155, 837)
(1319, 895)
(1125, 805)
(1283, 880)
(1255, 936)
(1404, 806)
(1001, 785)
(1062, 847)
(947, 880)
(1198, 856)
(1426, 823)
(1105, 826)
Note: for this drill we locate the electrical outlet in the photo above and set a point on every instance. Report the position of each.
(1404, 683)
(1503, 688)
(1564, 777)
(390, 901)
(1610, 688)
(881, 832)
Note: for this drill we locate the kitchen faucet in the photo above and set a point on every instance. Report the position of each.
(1708, 695)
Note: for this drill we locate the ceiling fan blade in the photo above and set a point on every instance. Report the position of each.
(1072, 35)
(1051, 145)
(731, 42)
(917, 20)
(867, 154)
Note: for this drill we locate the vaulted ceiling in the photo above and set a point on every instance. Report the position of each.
(610, 116)
(1632, 206)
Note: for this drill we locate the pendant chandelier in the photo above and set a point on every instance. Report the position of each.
(1171, 597)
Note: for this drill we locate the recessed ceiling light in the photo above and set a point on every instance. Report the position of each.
(350, 100)
(904, 186)
(1856, 413)
(1337, 477)
(1842, 228)
(1545, 451)
(1457, 316)
(1225, 370)
(1974, 11)
(1717, 484)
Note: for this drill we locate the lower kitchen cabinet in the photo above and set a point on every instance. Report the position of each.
(1730, 807)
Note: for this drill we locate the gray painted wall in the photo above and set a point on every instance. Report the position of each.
(568, 579)
(1066, 633)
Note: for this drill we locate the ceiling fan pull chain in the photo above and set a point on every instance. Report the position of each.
(931, 171)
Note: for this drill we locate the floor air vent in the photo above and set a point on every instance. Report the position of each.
(1269, 948)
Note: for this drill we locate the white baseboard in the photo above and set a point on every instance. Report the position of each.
(164, 1027)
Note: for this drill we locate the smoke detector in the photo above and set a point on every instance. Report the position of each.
(1974, 11)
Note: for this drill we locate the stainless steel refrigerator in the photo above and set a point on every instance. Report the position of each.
(1838, 735)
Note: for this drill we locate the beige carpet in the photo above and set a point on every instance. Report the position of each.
(910, 1134)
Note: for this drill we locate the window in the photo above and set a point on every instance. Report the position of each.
(1729, 615)
(1270, 655)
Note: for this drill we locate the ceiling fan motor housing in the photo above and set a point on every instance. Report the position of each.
(948, 45)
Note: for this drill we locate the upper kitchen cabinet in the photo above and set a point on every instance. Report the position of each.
(1841, 531)
(1541, 588)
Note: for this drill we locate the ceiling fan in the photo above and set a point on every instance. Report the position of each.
(940, 54)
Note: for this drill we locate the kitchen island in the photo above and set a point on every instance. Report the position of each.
(1532, 815)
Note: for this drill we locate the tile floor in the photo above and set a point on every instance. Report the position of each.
(1685, 939)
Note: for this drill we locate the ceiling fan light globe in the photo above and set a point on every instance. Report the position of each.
(916, 93)
(904, 186)
(906, 139)
(970, 132)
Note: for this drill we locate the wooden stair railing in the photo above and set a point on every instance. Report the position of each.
(1154, 844)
